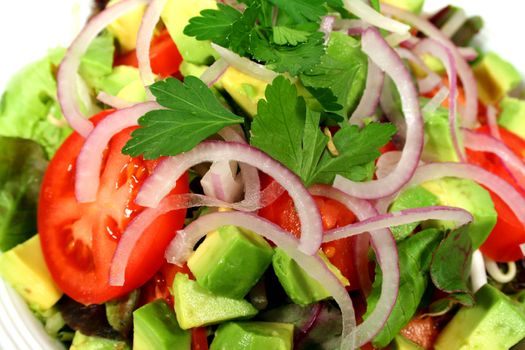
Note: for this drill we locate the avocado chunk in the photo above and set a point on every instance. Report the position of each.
(25, 269)
(466, 194)
(155, 327)
(409, 5)
(414, 197)
(438, 140)
(126, 28)
(84, 342)
(402, 343)
(196, 306)
(253, 336)
(512, 115)
(230, 261)
(298, 285)
(495, 77)
(176, 15)
(495, 322)
(245, 90)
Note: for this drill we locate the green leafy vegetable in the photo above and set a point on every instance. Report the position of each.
(288, 131)
(414, 263)
(289, 36)
(343, 70)
(192, 114)
(450, 267)
(302, 10)
(22, 166)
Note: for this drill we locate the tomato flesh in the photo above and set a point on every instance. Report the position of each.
(79, 240)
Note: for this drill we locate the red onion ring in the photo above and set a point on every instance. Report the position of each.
(67, 72)
(368, 104)
(245, 65)
(444, 54)
(402, 217)
(455, 22)
(395, 39)
(90, 157)
(368, 14)
(385, 248)
(492, 122)
(436, 100)
(351, 26)
(387, 59)
(181, 248)
(221, 182)
(327, 26)
(468, 53)
(386, 163)
(464, 71)
(163, 180)
(214, 72)
(147, 28)
(113, 101)
(428, 83)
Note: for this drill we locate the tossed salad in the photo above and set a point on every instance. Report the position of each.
(268, 174)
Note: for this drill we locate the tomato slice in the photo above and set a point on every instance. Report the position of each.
(199, 338)
(164, 56)
(333, 214)
(503, 243)
(159, 286)
(79, 240)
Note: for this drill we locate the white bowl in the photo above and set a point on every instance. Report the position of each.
(53, 22)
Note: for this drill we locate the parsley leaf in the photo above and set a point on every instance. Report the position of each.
(289, 132)
(243, 29)
(343, 70)
(289, 36)
(193, 113)
(302, 10)
(214, 25)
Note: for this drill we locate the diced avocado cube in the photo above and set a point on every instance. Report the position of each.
(298, 285)
(466, 194)
(84, 342)
(495, 77)
(512, 115)
(438, 140)
(133, 92)
(126, 28)
(230, 261)
(196, 306)
(245, 90)
(414, 197)
(155, 327)
(410, 5)
(25, 269)
(176, 15)
(402, 343)
(253, 336)
(495, 322)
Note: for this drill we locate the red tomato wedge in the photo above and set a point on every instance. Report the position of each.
(334, 214)
(164, 55)
(503, 243)
(79, 240)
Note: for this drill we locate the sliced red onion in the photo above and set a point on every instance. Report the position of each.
(113, 101)
(455, 22)
(392, 113)
(387, 59)
(368, 14)
(445, 55)
(327, 26)
(89, 160)
(351, 26)
(147, 28)
(437, 100)
(222, 182)
(368, 104)
(522, 247)
(385, 248)
(386, 163)
(402, 217)
(485, 143)
(214, 72)
(245, 65)
(464, 71)
(163, 180)
(361, 248)
(478, 274)
(428, 83)
(468, 53)
(395, 39)
(492, 122)
(67, 72)
(181, 248)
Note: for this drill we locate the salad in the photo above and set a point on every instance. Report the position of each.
(268, 174)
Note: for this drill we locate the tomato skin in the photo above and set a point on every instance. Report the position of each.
(503, 243)
(158, 287)
(422, 331)
(79, 240)
(333, 214)
(199, 338)
(164, 56)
